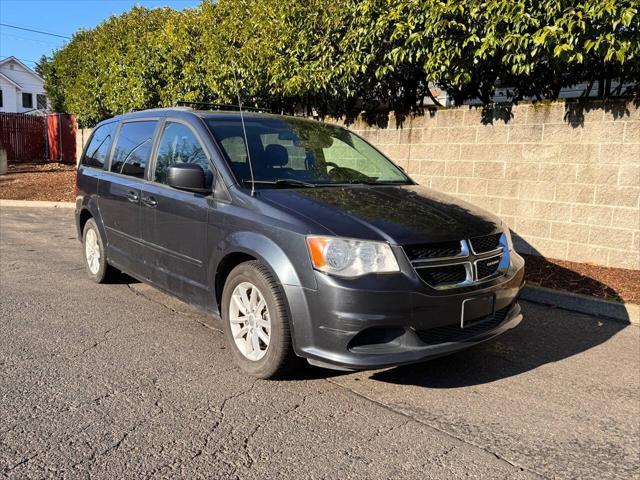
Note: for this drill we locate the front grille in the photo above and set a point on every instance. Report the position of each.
(459, 263)
(443, 275)
(454, 333)
(433, 250)
(486, 243)
(488, 266)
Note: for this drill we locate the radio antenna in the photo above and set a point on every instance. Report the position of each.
(244, 132)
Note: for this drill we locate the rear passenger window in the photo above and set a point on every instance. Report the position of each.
(133, 148)
(99, 145)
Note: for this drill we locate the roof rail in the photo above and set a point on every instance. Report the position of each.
(219, 106)
(158, 108)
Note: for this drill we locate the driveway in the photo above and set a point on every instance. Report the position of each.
(121, 381)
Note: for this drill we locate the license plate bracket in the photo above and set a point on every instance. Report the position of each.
(476, 309)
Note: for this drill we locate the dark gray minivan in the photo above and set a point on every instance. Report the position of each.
(305, 239)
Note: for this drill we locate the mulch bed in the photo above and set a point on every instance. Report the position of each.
(54, 182)
(50, 181)
(618, 284)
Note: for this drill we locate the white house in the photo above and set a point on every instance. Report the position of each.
(21, 89)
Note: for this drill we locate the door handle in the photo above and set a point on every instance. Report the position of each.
(132, 196)
(149, 201)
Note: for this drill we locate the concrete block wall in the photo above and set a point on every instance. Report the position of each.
(82, 135)
(565, 177)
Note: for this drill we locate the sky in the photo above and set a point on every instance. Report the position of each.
(60, 17)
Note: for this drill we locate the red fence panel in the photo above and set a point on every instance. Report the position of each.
(23, 137)
(61, 135)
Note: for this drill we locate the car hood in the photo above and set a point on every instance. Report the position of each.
(398, 214)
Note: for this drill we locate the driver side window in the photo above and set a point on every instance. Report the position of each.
(178, 144)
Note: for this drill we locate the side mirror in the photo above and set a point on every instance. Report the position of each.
(187, 176)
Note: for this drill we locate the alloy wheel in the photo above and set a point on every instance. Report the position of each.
(250, 321)
(92, 251)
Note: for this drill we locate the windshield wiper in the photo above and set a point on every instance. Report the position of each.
(376, 182)
(289, 182)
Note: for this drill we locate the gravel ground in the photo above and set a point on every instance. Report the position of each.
(121, 381)
(39, 181)
(618, 284)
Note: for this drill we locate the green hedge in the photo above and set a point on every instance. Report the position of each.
(344, 56)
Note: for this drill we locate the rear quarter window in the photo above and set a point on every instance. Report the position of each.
(99, 145)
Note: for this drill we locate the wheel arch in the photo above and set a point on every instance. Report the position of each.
(86, 210)
(240, 247)
(83, 218)
(226, 265)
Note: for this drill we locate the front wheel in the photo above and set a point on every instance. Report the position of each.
(256, 322)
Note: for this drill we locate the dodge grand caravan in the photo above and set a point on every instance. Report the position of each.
(305, 239)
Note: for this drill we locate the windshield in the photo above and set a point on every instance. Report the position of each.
(302, 153)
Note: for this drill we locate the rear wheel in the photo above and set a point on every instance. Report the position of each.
(95, 259)
(256, 322)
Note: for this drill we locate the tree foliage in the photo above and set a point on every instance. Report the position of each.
(344, 56)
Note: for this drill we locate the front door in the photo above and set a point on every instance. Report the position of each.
(120, 195)
(175, 221)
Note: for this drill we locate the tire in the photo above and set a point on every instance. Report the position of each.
(275, 358)
(94, 255)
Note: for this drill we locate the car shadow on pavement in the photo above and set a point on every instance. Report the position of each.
(546, 335)
(309, 372)
(121, 278)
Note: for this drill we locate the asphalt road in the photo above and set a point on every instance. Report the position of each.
(120, 381)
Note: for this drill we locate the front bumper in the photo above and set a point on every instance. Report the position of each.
(382, 321)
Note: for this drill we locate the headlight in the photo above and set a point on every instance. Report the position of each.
(345, 257)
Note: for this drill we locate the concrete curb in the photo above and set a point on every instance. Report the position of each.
(36, 204)
(623, 312)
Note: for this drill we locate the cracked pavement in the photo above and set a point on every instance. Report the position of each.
(122, 381)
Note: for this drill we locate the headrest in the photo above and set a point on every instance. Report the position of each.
(276, 155)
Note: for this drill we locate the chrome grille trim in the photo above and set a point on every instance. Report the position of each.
(464, 253)
(489, 257)
(488, 252)
(444, 286)
(469, 259)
